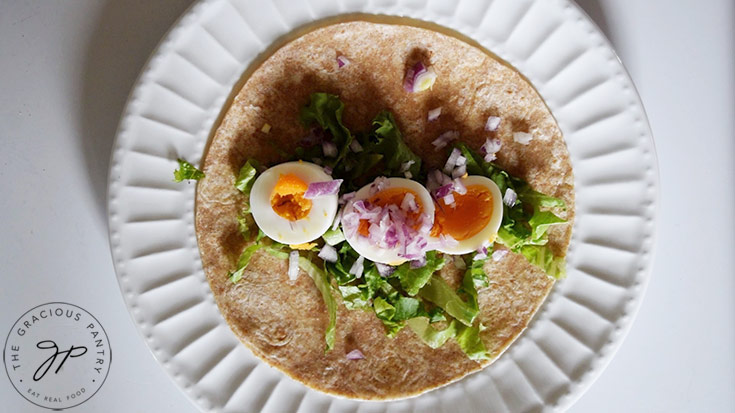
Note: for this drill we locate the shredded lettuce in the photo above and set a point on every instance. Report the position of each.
(333, 236)
(429, 335)
(187, 171)
(322, 284)
(440, 293)
(413, 279)
(470, 342)
(326, 111)
(389, 143)
(246, 177)
(524, 225)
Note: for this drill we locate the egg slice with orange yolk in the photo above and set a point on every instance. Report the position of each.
(279, 208)
(472, 219)
(387, 220)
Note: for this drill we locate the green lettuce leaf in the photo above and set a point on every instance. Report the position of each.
(413, 279)
(389, 143)
(353, 297)
(187, 171)
(333, 237)
(326, 111)
(322, 284)
(440, 293)
(246, 177)
(243, 261)
(470, 342)
(429, 335)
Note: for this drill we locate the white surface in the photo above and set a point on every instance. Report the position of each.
(66, 70)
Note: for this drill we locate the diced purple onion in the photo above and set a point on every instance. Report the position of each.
(461, 161)
(346, 197)
(317, 189)
(499, 254)
(434, 114)
(293, 265)
(328, 170)
(337, 219)
(355, 146)
(329, 149)
(406, 165)
(409, 203)
(416, 76)
(355, 355)
(449, 200)
(458, 186)
(444, 190)
(342, 61)
(490, 148)
(492, 123)
(408, 175)
(379, 184)
(419, 262)
(444, 139)
(481, 253)
(452, 161)
(328, 253)
(357, 267)
(510, 197)
(524, 138)
(384, 270)
(461, 170)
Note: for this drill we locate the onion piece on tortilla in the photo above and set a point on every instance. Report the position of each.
(419, 78)
(355, 355)
(342, 61)
(499, 254)
(434, 114)
(524, 138)
(444, 139)
(329, 149)
(492, 123)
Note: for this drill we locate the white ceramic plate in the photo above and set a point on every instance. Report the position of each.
(181, 92)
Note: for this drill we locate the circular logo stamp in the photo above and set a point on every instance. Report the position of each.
(57, 355)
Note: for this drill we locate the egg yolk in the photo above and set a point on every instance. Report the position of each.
(469, 214)
(287, 198)
(389, 196)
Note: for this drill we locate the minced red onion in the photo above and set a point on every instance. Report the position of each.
(461, 170)
(409, 203)
(444, 190)
(416, 76)
(524, 138)
(328, 170)
(499, 254)
(342, 61)
(444, 139)
(452, 161)
(358, 267)
(461, 161)
(449, 200)
(329, 149)
(406, 165)
(408, 175)
(384, 270)
(434, 114)
(328, 253)
(355, 146)
(355, 355)
(510, 197)
(346, 197)
(378, 185)
(492, 123)
(318, 189)
(458, 186)
(490, 148)
(337, 219)
(293, 265)
(481, 253)
(419, 262)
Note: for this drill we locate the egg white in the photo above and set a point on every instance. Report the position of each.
(488, 233)
(372, 252)
(309, 228)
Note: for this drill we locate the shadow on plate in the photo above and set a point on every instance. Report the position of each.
(125, 35)
(596, 12)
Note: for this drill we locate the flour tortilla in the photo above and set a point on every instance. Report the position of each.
(283, 322)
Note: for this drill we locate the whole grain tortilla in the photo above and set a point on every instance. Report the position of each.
(283, 321)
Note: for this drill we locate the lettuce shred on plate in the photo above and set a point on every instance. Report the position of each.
(187, 171)
(401, 295)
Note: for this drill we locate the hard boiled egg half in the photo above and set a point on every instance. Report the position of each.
(389, 220)
(472, 219)
(279, 208)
